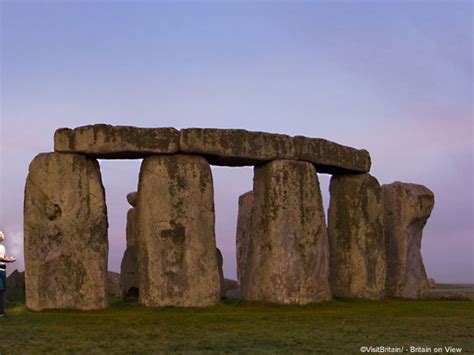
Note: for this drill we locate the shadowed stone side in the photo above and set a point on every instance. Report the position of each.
(237, 147)
(290, 261)
(132, 199)
(220, 264)
(244, 237)
(65, 231)
(356, 239)
(407, 207)
(129, 265)
(176, 246)
(116, 142)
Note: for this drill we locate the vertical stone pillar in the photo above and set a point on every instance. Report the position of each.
(129, 265)
(356, 239)
(65, 231)
(176, 246)
(220, 265)
(407, 207)
(244, 238)
(290, 261)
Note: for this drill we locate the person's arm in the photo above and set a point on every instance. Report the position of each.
(7, 259)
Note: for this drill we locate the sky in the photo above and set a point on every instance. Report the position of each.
(392, 77)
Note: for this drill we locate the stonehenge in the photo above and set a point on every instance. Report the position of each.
(287, 251)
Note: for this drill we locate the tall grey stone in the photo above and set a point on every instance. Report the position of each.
(244, 237)
(176, 246)
(289, 262)
(65, 231)
(407, 207)
(129, 265)
(356, 239)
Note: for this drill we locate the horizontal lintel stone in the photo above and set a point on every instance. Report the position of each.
(116, 142)
(238, 147)
(226, 147)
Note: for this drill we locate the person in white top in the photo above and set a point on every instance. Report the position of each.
(3, 272)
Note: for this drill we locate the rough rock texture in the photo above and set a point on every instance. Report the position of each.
(65, 233)
(220, 263)
(116, 142)
(113, 284)
(407, 207)
(177, 259)
(289, 258)
(132, 199)
(356, 240)
(237, 147)
(129, 265)
(244, 236)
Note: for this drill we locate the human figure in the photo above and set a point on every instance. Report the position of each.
(3, 272)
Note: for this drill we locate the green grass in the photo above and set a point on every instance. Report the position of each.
(340, 326)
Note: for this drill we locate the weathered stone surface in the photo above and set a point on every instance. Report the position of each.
(356, 240)
(244, 236)
(407, 207)
(220, 264)
(65, 231)
(113, 284)
(132, 199)
(176, 246)
(237, 147)
(333, 158)
(289, 257)
(129, 265)
(116, 142)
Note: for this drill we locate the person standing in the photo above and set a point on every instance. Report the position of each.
(3, 272)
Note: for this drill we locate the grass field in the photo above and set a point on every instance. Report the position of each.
(340, 326)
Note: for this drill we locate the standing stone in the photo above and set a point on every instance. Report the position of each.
(356, 240)
(290, 262)
(129, 265)
(407, 207)
(220, 264)
(65, 231)
(176, 245)
(244, 237)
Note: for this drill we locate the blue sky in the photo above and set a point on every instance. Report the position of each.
(392, 77)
